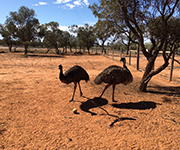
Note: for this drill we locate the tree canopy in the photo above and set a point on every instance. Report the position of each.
(85, 34)
(52, 35)
(7, 31)
(26, 25)
(145, 19)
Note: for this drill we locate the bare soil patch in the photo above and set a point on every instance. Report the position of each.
(35, 112)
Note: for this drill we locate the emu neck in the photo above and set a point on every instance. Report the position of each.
(124, 65)
(61, 75)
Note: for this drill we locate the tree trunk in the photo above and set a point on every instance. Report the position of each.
(57, 51)
(103, 50)
(10, 48)
(127, 53)
(149, 73)
(143, 86)
(26, 49)
(16, 47)
(145, 78)
(48, 50)
(88, 50)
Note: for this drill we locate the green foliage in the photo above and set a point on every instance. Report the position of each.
(85, 34)
(73, 42)
(24, 25)
(7, 31)
(52, 35)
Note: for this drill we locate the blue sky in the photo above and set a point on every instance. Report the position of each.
(65, 12)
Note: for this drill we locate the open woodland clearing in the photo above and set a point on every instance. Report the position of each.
(35, 112)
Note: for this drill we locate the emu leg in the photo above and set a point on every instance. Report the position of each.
(105, 89)
(75, 84)
(80, 89)
(113, 93)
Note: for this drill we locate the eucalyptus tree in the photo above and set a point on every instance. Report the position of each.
(104, 30)
(52, 35)
(88, 36)
(26, 25)
(85, 34)
(136, 15)
(7, 31)
(64, 41)
(77, 31)
(73, 42)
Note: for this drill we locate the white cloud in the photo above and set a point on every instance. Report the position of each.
(71, 6)
(90, 23)
(86, 2)
(42, 3)
(61, 1)
(75, 3)
(64, 28)
(35, 4)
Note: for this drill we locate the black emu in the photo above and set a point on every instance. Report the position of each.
(75, 75)
(113, 75)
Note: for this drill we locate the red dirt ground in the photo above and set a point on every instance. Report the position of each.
(35, 112)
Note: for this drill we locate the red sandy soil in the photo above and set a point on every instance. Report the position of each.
(35, 112)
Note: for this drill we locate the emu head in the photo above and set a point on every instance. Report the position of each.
(123, 59)
(60, 67)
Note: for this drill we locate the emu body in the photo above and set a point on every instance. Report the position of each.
(75, 74)
(114, 75)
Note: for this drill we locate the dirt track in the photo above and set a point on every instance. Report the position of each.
(35, 112)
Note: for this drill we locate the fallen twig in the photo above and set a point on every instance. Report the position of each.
(105, 110)
(171, 118)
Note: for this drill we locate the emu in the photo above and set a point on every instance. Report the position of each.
(114, 75)
(75, 74)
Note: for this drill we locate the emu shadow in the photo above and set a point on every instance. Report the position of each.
(142, 105)
(93, 103)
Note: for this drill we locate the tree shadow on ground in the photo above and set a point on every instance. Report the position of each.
(142, 105)
(93, 103)
(46, 55)
(165, 90)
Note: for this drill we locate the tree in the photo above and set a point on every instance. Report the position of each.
(7, 31)
(118, 45)
(136, 15)
(73, 42)
(52, 35)
(65, 40)
(26, 25)
(85, 34)
(128, 38)
(104, 30)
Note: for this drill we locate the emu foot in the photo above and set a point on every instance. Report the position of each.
(81, 93)
(114, 100)
(71, 100)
